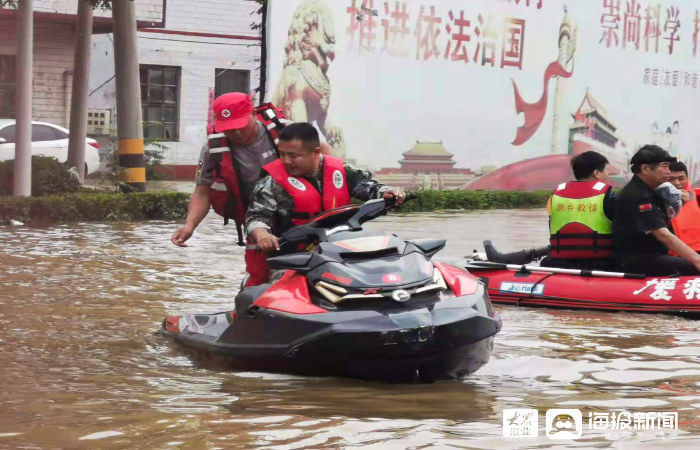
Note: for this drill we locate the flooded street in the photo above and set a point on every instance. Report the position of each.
(81, 366)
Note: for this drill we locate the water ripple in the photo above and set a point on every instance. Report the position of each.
(79, 360)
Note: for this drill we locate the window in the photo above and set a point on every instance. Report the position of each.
(8, 133)
(7, 86)
(60, 134)
(229, 80)
(160, 96)
(44, 133)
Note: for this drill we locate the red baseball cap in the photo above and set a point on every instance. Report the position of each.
(232, 111)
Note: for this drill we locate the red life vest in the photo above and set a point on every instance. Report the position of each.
(225, 192)
(307, 200)
(579, 228)
(686, 225)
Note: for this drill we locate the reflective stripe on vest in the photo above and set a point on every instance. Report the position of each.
(307, 200)
(218, 186)
(686, 225)
(272, 119)
(578, 225)
(225, 191)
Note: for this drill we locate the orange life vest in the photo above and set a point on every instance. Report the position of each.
(308, 202)
(686, 225)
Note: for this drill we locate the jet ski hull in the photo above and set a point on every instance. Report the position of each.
(449, 339)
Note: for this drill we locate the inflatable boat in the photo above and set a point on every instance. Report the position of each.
(532, 285)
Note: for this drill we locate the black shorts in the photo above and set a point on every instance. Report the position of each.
(656, 264)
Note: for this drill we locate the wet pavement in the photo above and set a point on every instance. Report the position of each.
(81, 366)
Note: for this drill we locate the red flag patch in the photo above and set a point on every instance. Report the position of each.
(645, 207)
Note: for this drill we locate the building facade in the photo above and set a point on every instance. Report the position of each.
(427, 165)
(54, 48)
(593, 130)
(204, 49)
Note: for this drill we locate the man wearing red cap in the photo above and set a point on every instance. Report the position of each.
(229, 166)
(243, 140)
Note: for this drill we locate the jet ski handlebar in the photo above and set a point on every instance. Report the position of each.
(346, 218)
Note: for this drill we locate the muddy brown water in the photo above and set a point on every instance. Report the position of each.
(81, 367)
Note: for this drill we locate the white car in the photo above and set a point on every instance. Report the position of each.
(47, 140)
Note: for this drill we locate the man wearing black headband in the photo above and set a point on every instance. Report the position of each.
(641, 230)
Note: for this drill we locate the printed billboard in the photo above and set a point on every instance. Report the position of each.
(502, 91)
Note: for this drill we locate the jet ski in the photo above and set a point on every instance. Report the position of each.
(351, 303)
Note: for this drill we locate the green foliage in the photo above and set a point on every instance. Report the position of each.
(431, 200)
(153, 159)
(153, 155)
(48, 177)
(88, 206)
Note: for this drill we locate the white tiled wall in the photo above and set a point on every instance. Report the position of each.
(197, 56)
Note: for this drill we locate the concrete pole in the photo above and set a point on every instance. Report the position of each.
(126, 66)
(567, 47)
(23, 134)
(556, 113)
(79, 96)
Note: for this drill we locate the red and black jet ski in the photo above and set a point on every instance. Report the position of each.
(359, 304)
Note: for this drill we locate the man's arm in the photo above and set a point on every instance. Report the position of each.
(199, 204)
(362, 187)
(677, 246)
(197, 210)
(260, 216)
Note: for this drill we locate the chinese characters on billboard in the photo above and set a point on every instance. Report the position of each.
(494, 94)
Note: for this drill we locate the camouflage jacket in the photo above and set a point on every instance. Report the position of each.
(268, 197)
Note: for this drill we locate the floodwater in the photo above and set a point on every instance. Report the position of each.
(81, 367)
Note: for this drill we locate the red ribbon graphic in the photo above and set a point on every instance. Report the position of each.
(534, 112)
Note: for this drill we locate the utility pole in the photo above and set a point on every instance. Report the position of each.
(567, 38)
(23, 131)
(126, 66)
(79, 95)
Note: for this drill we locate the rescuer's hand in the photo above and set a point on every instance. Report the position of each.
(397, 193)
(181, 235)
(266, 241)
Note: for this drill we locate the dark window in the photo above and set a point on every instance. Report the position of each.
(8, 133)
(7, 86)
(229, 80)
(60, 134)
(43, 133)
(160, 98)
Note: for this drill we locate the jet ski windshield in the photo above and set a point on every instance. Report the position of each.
(346, 218)
(353, 215)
